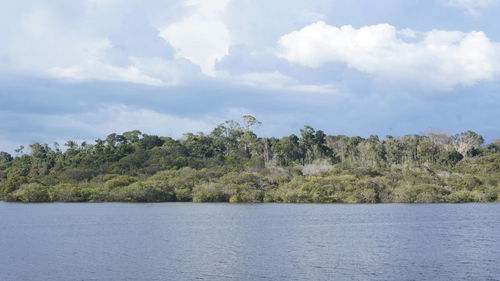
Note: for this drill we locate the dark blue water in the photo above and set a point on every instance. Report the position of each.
(186, 241)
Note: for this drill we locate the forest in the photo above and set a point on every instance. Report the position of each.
(232, 164)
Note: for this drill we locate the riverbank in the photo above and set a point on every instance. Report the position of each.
(233, 165)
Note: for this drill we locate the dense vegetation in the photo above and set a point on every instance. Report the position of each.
(232, 164)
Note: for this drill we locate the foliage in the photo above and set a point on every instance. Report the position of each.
(30, 193)
(233, 164)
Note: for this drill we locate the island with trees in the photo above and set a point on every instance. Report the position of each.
(233, 164)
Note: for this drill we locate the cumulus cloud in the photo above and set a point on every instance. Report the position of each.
(154, 71)
(437, 59)
(202, 37)
(43, 44)
(173, 42)
(38, 41)
(471, 6)
(92, 67)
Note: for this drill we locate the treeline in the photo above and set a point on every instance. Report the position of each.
(232, 164)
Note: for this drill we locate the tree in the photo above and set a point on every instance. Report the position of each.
(233, 164)
(199, 145)
(149, 141)
(450, 157)
(226, 138)
(287, 150)
(71, 145)
(467, 142)
(5, 158)
(494, 146)
(250, 122)
(20, 149)
(132, 136)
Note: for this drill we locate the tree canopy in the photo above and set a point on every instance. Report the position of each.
(233, 164)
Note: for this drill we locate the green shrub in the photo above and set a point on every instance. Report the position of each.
(68, 193)
(209, 192)
(119, 181)
(32, 192)
(150, 191)
(12, 183)
(460, 196)
(421, 193)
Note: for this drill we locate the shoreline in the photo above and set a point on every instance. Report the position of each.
(250, 203)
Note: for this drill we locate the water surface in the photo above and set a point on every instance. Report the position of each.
(187, 241)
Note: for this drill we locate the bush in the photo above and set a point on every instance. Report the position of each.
(421, 193)
(78, 174)
(180, 183)
(97, 194)
(150, 191)
(209, 192)
(12, 183)
(461, 196)
(30, 193)
(119, 181)
(245, 193)
(244, 187)
(68, 193)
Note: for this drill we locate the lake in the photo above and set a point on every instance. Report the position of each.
(188, 241)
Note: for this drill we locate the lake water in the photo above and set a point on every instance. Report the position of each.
(187, 241)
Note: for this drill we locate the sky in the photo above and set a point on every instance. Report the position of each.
(83, 69)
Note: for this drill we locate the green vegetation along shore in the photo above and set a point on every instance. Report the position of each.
(232, 164)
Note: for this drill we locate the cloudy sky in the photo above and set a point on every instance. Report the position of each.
(82, 69)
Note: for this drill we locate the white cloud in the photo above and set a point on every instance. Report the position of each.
(201, 37)
(42, 45)
(120, 118)
(8, 145)
(276, 80)
(38, 41)
(149, 71)
(471, 6)
(92, 67)
(313, 16)
(438, 59)
(115, 118)
(100, 71)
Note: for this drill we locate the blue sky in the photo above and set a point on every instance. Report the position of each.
(84, 69)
